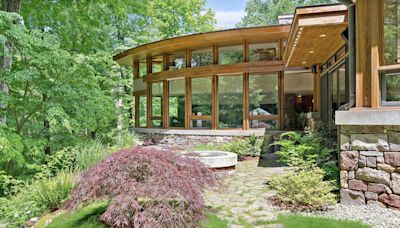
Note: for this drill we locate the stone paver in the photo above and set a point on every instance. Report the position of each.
(243, 196)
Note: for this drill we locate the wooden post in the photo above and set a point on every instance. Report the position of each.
(281, 92)
(317, 90)
(165, 104)
(214, 102)
(246, 101)
(374, 31)
(188, 103)
(149, 104)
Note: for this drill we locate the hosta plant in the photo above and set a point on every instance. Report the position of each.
(147, 188)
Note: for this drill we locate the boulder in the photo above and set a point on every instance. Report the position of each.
(358, 185)
(348, 160)
(386, 168)
(373, 175)
(343, 179)
(396, 183)
(375, 203)
(371, 162)
(392, 158)
(394, 139)
(390, 199)
(351, 197)
(377, 188)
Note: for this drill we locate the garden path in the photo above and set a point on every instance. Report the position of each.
(242, 198)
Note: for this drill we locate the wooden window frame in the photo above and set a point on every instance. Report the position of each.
(188, 104)
(167, 116)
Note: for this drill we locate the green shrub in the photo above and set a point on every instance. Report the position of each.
(87, 217)
(35, 199)
(8, 184)
(91, 153)
(303, 190)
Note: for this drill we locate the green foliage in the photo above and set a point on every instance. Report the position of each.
(86, 217)
(303, 190)
(303, 150)
(8, 184)
(249, 147)
(11, 151)
(266, 12)
(91, 153)
(300, 221)
(213, 221)
(33, 200)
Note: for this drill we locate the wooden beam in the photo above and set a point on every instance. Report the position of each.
(149, 105)
(375, 52)
(361, 51)
(317, 90)
(188, 58)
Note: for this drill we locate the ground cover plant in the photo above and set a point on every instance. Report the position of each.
(300, 221)
(248, 147)
(147, 187)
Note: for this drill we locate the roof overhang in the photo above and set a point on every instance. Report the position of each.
(224, 37)
(315, 35)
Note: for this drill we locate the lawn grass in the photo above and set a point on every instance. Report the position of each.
(213, 221)
(300, 221)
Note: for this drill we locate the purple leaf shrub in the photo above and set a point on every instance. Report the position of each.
(147, 187)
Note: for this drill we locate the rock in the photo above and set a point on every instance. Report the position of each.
(371, 153)
(362, 162)
(344, 142)
(382, 145)
(386, 168)
(348, 160)
(351, 175)
(396, 183)
(373, 175)
(394, 139)
(358, 185)
(377, 188)
(371, 162)
(369, 142)
(376, 203)
(380, 159)
(390, 199)
(392, 158)
(371, 196)
(343, 179)
(351, 197)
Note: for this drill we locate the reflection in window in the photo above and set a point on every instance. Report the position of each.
(390, 87)
(267, 124)
(156, 98)
(177, 103)
(201, 96)
(157, 64)
(263, 94)
(143, 110)
(230, 101)
(263, 52)
(339, 95)
(230, 54)
(177, 61)
(202, 57)
(391, 44)
(205, 124)
(142, 67)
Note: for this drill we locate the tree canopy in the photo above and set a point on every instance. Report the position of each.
(266, 12)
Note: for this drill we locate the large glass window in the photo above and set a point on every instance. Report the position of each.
(390, 87)
(202, 57)
(156, 104)
(201, 102)
(230, 54)
(177, 61)
(263, 100)
(157, 64)
(391, 45)
(263, 52)
(142, 67)
(177, 103)
(143, 111)
(230, 101)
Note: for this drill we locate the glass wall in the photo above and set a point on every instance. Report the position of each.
(176, 103)
(230, 54)
(202, 57)
(177, 61)
(263, 52)
(157, 64)
(390, 88)
(143, 111)
(391, 44)
(142, 67)
(156, 104)
(230, 101)
(201, 102)
(263, 100)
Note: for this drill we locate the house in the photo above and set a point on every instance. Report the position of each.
(339, 63)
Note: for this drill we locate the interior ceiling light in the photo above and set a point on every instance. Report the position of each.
(322, 35)
(311, 52)
(303, 62)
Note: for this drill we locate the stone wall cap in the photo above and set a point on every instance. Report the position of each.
(368, 117)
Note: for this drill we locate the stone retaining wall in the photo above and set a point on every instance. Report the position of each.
(370, 165)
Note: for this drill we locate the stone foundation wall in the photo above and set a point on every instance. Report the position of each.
(370, 165)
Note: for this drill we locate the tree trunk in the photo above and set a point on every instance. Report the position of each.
(6, 59)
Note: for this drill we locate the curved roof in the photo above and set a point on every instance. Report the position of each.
(208, 39)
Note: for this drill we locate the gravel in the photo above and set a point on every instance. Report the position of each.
(371, 214)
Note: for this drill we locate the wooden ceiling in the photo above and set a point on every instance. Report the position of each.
(221, 38)
(315, 35)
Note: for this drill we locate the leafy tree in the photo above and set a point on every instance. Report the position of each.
(266, 12)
